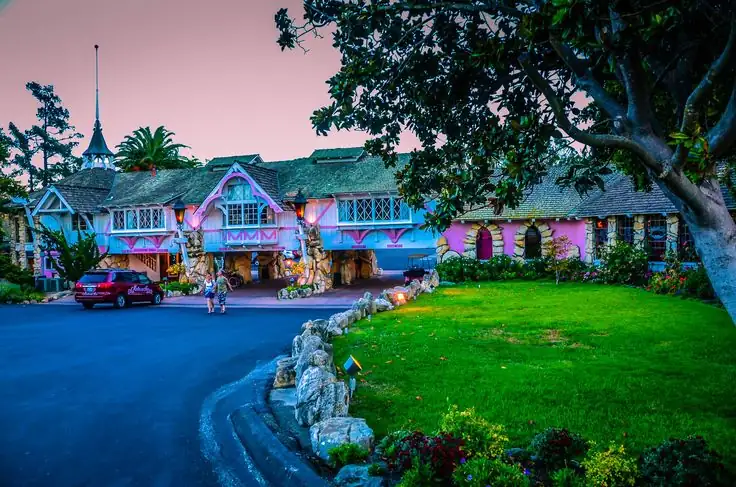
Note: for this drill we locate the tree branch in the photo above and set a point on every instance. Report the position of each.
(639, 110)
(585, 80)
(594, 140)
(706, 84)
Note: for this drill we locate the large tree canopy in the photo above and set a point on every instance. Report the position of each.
(145, 150)
(493, 88)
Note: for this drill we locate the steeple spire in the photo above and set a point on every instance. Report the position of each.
(97, 154)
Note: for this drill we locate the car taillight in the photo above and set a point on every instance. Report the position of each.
(78, 285)
(104, 286)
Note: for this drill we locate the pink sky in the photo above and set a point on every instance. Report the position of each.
(210, 71)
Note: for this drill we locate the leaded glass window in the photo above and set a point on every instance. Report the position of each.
(364, 211)
(266, 216)
(157, 218)
(118, 220)
(373, 210)
(144, 218)
(234, 215)
(625, 229)
(250, 212)
(656, 237)
(131, 219)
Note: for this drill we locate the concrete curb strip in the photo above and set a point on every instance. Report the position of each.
(276, 463)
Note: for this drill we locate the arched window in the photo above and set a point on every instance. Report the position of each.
(242, 208)
(532, 243)
(483, 244)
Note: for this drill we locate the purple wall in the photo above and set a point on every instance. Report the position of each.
(574, 229)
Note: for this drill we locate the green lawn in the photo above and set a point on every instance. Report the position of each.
(612, 363)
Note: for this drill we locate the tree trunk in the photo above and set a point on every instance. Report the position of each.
(714, 234)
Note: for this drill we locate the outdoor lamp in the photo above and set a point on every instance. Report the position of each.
(300, 204)
(352, 367)
(179, 210)
(400, 298)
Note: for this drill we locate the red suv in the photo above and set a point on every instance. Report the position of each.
(120, 287)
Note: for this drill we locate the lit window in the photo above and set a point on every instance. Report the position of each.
(600, 237)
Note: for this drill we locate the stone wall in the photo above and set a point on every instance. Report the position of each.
(612, 228)
(240, 263)
(200, 263)
(589, 240)
(639, 229)
(115, 262)
(22, 224)
(673, 232)
(13, 239)
(37, 259)
(471, 239)
(519, 239)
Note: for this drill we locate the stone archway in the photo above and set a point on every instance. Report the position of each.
(471, 239)
(519, 239)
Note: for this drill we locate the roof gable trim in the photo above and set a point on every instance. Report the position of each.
(52, 191)
(235, 171)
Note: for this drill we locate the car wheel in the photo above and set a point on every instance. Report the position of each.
(156, 298)
(88, 305)
(120, 301)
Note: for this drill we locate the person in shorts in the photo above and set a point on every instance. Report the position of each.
(223, 286)
(209, 293)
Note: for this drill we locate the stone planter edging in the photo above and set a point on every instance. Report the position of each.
(322, 398)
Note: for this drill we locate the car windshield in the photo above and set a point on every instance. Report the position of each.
(94, 277)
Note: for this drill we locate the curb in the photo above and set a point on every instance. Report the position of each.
(276, 463)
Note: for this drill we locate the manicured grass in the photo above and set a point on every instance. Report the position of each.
(612, 363)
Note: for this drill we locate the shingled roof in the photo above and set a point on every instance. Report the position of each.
(546, 199)
(620, 198)
(143, 188)
(84, 190)
(348, 154)
(322, 180)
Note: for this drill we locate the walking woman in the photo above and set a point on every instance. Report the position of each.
(222, 288)
(209, 293)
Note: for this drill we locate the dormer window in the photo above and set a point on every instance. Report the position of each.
(243, 209)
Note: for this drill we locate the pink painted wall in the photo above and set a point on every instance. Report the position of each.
(574, 229)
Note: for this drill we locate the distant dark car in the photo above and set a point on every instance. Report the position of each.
(120, 287)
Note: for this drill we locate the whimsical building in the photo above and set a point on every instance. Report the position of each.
(240, 210)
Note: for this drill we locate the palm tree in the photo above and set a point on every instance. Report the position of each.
(145, 150)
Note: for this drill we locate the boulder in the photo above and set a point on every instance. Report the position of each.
(329, 433)
(285, 373)
(357, 476)
(309, 345)
(383, 305)
(361, 306)
(323, 328)
(320, 396)
(340, 320)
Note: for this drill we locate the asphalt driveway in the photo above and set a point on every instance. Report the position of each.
(113, 397)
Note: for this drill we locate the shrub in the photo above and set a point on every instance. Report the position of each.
(481, 472)
(388, 444)
(624, 264)
(567, 477)
(419, 475)
(347, 454)
(184, 287)
(14, 293)
(15, 274)
(480, 438)
(442, 453)
(557, 447)
(678, 281)
(697, 283)
(687, 462)
(610, 468)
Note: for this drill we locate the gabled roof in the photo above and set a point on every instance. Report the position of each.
(227, 161)
(546, 199)
(347, 154)
(83, 191)
(268, 179)
(620, 198)
(318, 180)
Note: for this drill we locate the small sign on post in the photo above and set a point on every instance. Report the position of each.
(180, 240)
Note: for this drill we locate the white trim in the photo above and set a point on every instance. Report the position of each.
(52, 190)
